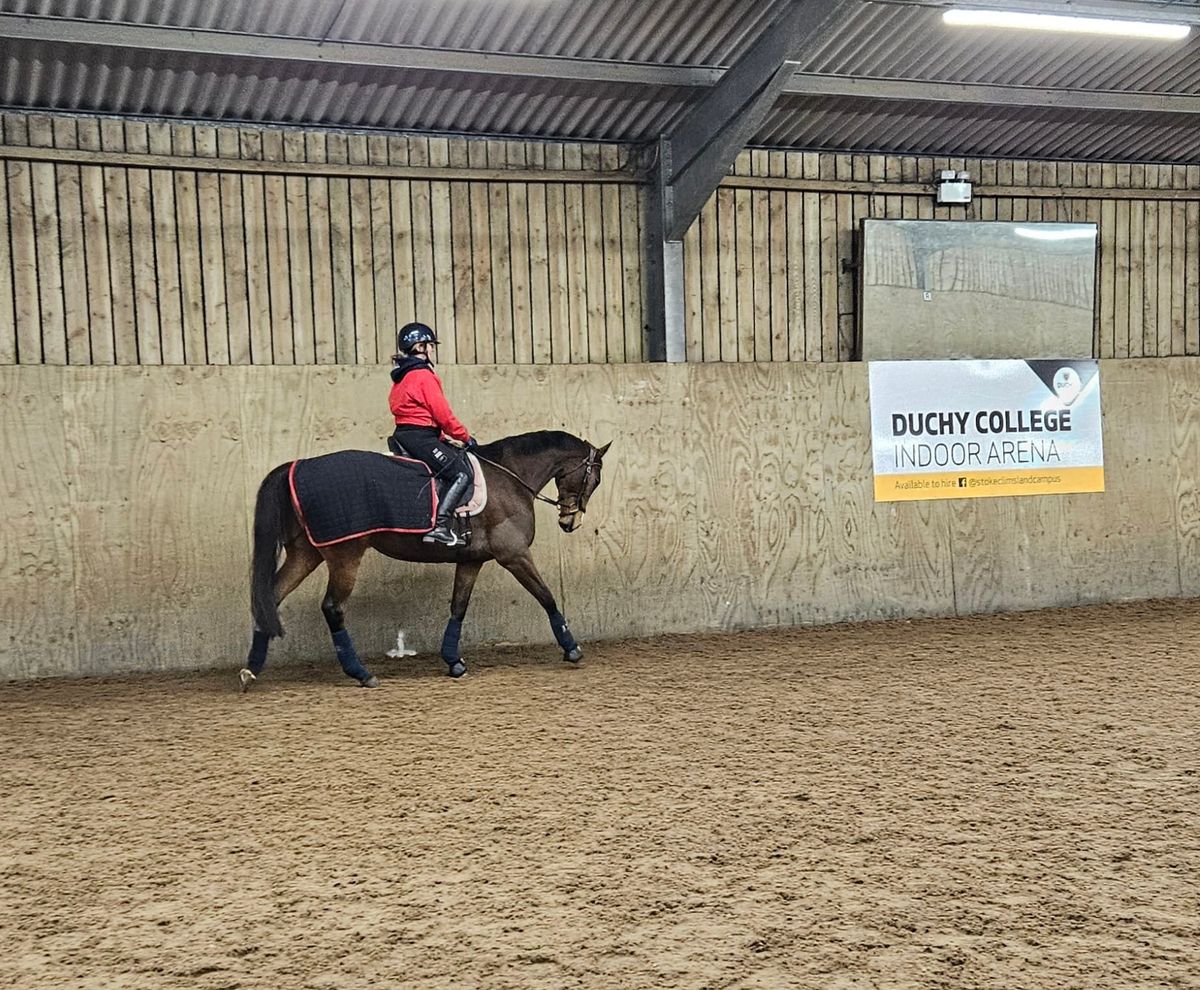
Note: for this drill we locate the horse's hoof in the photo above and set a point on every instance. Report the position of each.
(370, 682)
(456, 669)
(573, 656)
(246, 676)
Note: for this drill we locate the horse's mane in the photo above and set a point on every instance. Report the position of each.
(530, 444)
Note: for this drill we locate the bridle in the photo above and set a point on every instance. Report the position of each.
(573, 503)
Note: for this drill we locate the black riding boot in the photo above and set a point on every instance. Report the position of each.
(441, 532)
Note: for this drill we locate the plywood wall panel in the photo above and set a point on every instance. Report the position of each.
(734, 497)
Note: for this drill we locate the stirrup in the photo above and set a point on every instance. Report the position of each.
(444, 535)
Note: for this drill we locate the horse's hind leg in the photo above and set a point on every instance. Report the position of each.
(523, 569)
(300, 559)
(343, 571)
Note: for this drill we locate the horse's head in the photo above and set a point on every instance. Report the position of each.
(576, 482)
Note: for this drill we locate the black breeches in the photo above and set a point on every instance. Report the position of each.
(423, 442)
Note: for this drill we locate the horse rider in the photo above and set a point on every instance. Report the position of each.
(424, 423)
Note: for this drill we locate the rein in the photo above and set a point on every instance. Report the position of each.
(589, 461)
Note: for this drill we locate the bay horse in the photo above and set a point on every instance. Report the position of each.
(515, 469)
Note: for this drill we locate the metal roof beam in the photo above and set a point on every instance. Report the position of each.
(925, 91)
(342, 53)
(73, 31)
(704, 143)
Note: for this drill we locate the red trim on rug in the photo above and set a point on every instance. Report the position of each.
(433, 499)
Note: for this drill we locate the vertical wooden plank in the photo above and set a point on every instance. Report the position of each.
(1191, 315)
(830, 342)
(614, 282)
(403, 266)
(383, 283)
(1178, 261)
(304, 344)
(576, 258)
(520, 262)
(317, 227)
(233, 243)
(556, 250)
(693, 279)
(1037, 178)
(187, 226)
(1004, 177)
(49, 248)
(1166, 240)
(141, 233)
(1137, 247)
(120, 250)
(95, 229)
(23, 237)
(362, 248)
(71, 247)
(1108, 262)
(443, 255)
(1121, 278)
(793, 168)
(464, 274)
(422, 235)
(945, 212)
(844, 302)
(341, 222)
(481, 258)
(631, 268)
(1150, 269)
(759, 259)
(727, 273)
(212, 252)
(593, 232)
(925, 204)
(778, 266)
(1020, 205)
(258, 282)
(166, 249)
(812, 265)
(95, 241)
(908, 174)
(501, 258)
(744, 247)
(279, 278)
(539, 260)
(709, 281)
(8, 318)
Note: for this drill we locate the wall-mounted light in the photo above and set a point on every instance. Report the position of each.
(953, 187)
(1156, 30)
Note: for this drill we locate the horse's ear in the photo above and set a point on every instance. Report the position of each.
(601, 451)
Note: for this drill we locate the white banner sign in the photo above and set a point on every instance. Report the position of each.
(973, 429)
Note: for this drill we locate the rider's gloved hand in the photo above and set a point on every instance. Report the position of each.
(472, 443)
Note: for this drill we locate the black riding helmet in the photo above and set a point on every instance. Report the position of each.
(412, 334)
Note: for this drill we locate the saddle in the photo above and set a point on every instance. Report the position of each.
(476, 497)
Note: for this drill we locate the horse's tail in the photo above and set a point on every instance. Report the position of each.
(271, 510)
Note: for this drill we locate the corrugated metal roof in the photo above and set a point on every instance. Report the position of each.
(876, 40)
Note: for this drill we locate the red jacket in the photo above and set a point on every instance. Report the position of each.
(418, 400)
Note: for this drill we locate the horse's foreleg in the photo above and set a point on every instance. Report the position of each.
(343, 571)
(300, 560)
(464, 583)
(523, 569)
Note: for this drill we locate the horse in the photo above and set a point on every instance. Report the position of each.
(515, 470)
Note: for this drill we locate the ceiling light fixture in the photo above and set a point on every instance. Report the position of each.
(1055, 22)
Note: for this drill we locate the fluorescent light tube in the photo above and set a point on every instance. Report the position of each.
(1050, 233)
(1056, 22)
